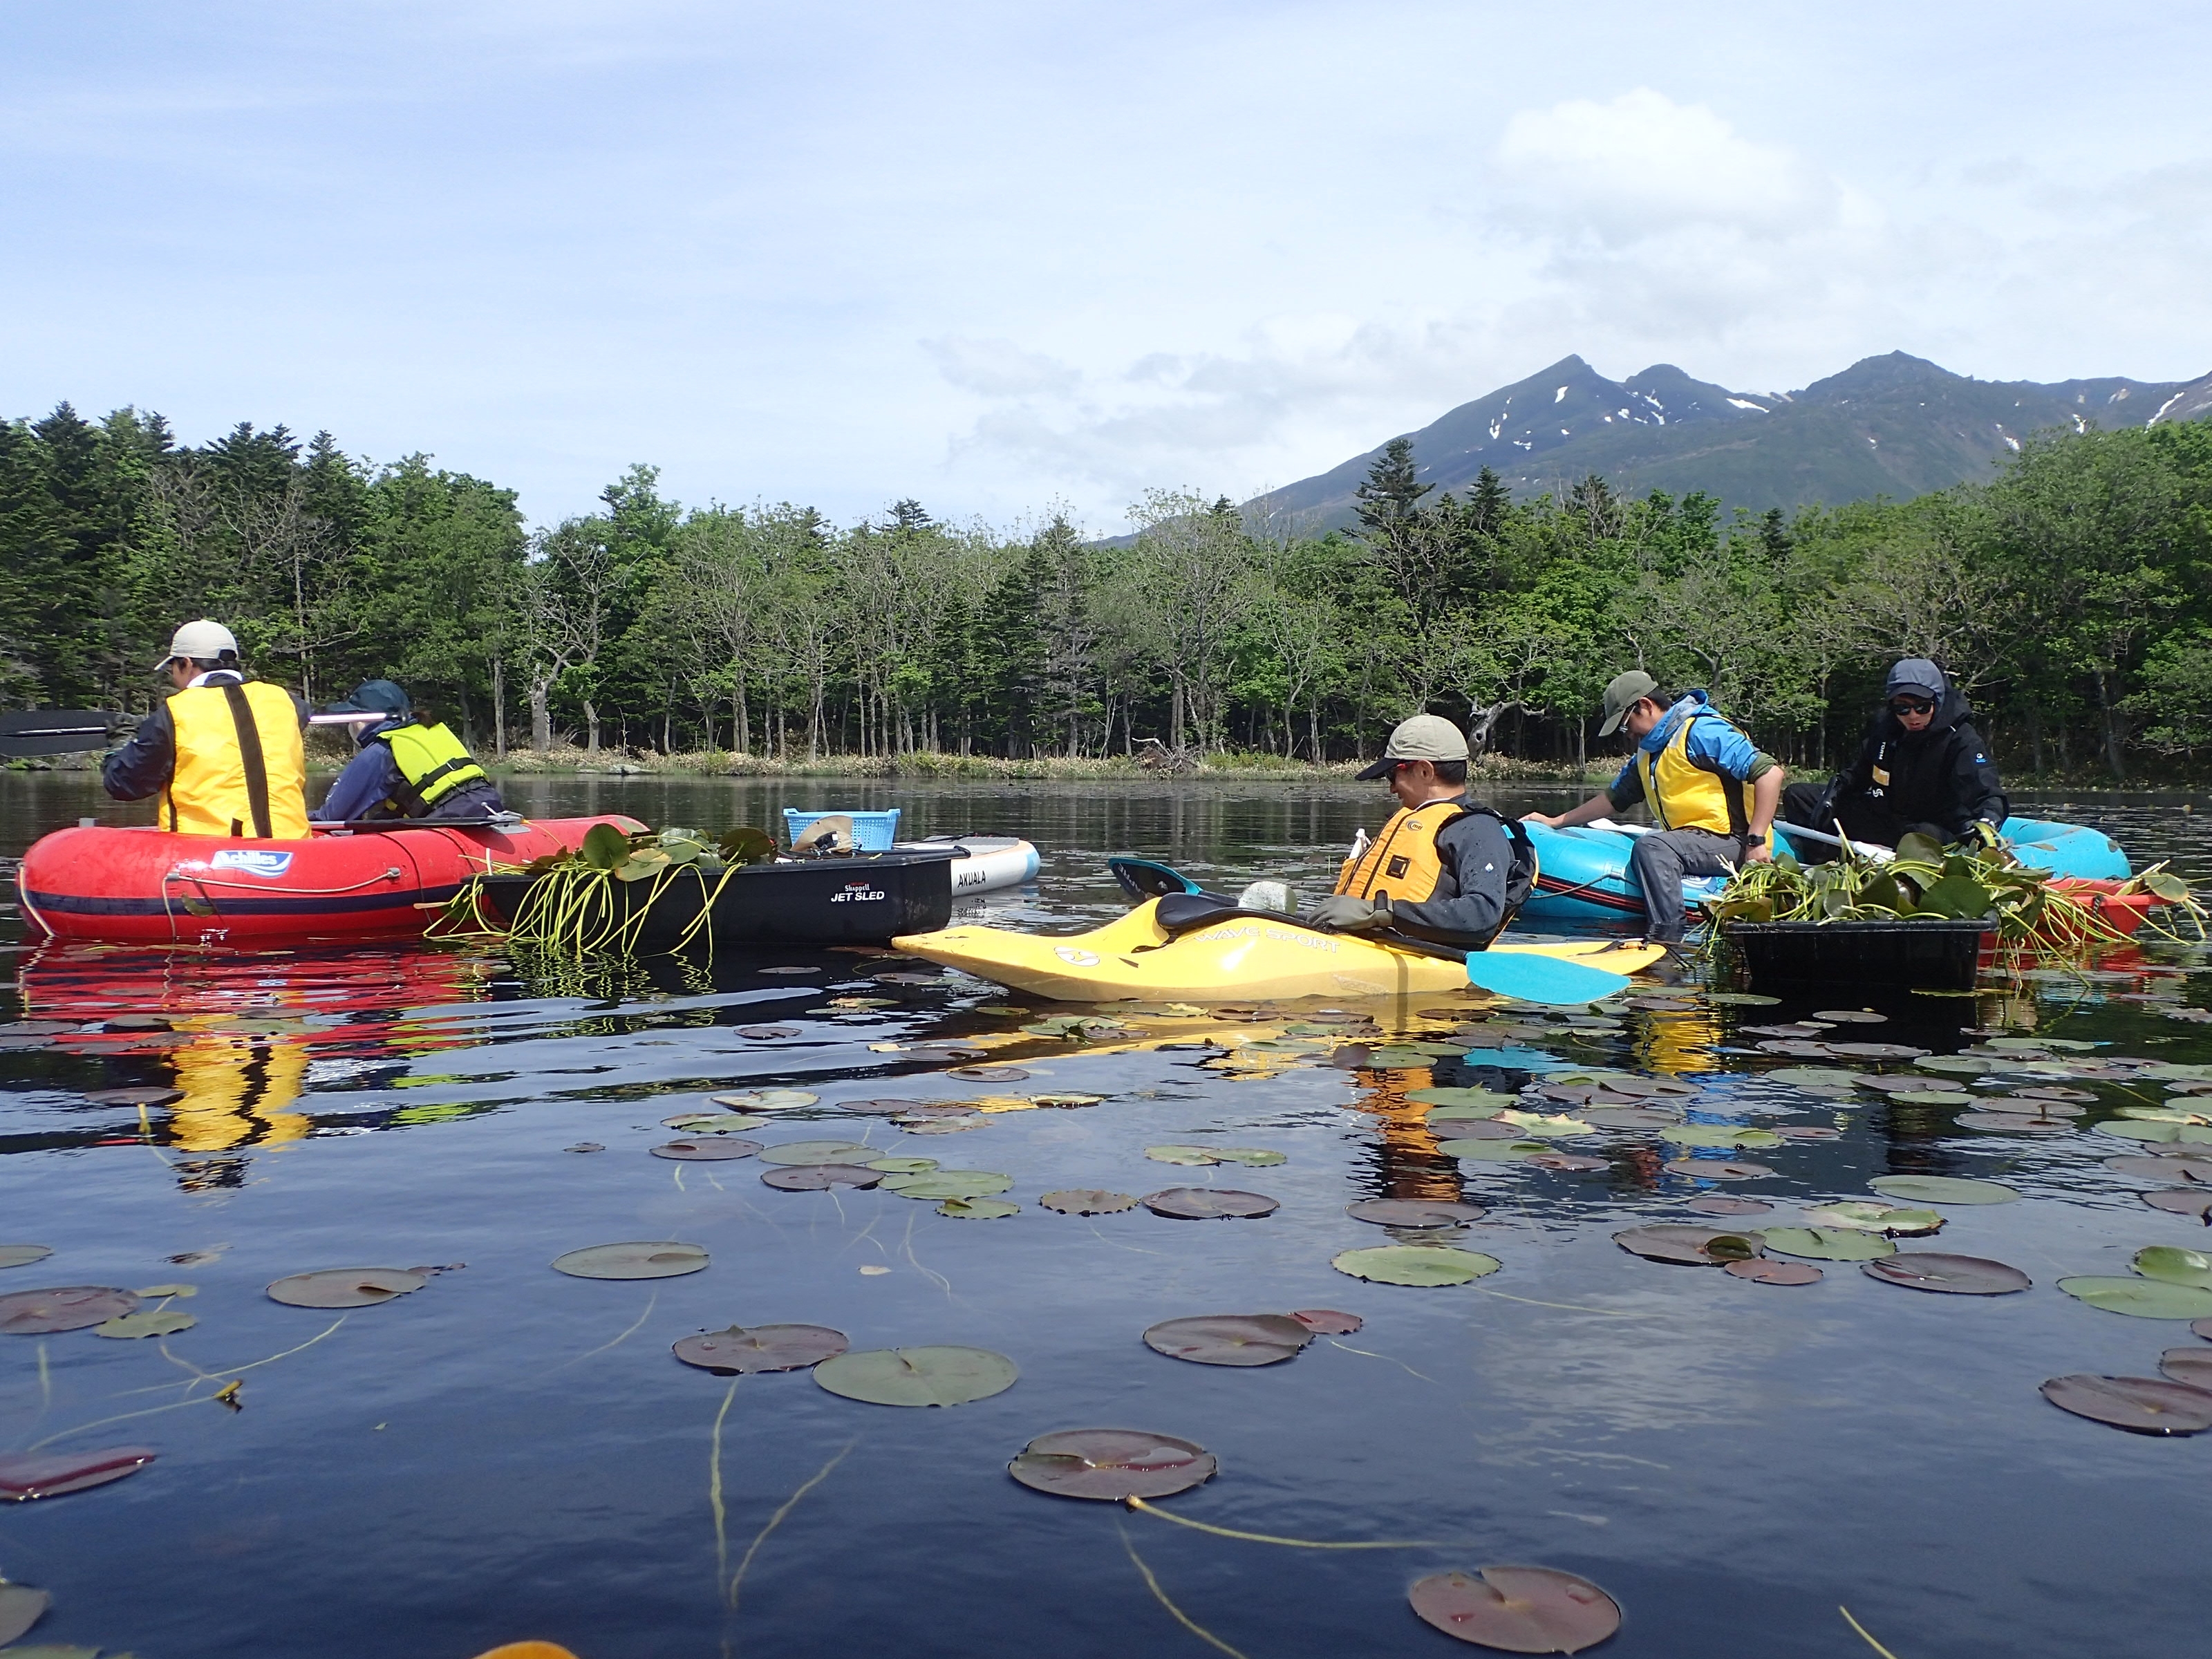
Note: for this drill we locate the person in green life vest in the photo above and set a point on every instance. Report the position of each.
(1712, 792)
(408, 766)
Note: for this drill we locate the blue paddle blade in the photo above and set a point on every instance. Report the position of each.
(1532, 978)
(1144, 878)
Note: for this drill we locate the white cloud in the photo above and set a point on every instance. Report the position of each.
(999, 368)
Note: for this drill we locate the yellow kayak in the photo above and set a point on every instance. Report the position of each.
(1243, 954)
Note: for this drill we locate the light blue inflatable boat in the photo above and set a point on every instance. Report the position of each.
(1584, 871)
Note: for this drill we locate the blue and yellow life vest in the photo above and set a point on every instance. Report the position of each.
(1685, 793)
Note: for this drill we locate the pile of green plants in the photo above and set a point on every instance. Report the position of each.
(571, 904)
(1927, 882)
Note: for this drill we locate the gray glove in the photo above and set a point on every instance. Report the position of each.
(1348, 914)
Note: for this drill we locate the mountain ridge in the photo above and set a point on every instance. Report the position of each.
(1893, 425)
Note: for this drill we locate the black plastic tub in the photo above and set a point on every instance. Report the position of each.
(865, 898)
(1937, 955)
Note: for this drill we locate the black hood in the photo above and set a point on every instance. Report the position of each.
(1953, 712)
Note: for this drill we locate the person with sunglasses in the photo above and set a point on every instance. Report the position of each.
(1921, 767)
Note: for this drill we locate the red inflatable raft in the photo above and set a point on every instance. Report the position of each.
(146, 886)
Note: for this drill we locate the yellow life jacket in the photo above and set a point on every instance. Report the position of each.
(434, 762)
(239, 767)
(1401, 862)
(1686, 793)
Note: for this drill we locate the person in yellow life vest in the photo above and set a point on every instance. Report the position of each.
(1712, 792)
(1444, 869)
(224, 753)
(408, 766)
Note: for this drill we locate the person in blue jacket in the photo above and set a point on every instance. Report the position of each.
(406, 766)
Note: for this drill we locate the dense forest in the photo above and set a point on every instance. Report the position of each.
(2068, 595)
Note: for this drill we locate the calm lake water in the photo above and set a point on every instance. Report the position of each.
(510, 1452)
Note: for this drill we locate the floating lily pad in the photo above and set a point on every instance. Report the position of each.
(1426, 1265)
(935, 1185)
(1761, 1270)
(1721, 1203)
(936, 1109)
(1111, 1465)
(709, 1149)
(1742, 998)
(740, 1350)
(2195, 1170)
(1442, 1117)
(1208, 1203)
(1943, 1189)
(1491, 1151)
(1629, 1117)
(1875, 1051)
(1963, 1065)
(149, 1323)
(1545, 1124)
(942, 1125)
(989, 1074)
(21, 1607)
(1685, 1246)
(658, 1258)
(27, 1476)
(715, 1123)
(1931, 1098)
(819, 1152)
(1229, 1339)
(1462, 1097)
(1459, 1129)
(1570, 1161)
(1828, 1079)
(2173, 1265)
(767, 1033)
(1327, 1322)
(880, 1107)
(1954, 1275)
(1864, 1215)
(1518, 1609)
(1828, 1243)
(1851, 1016)
(2144, 1405)
(1413, 1212)
(1065, 1101)
(1716, 1169)
(64, 1308)
(917, 1376)
(1192, 1155)
(2190, 1366)
(2143, 1298)
(22, 1255)
(820, 1177)
(978, 1209)
(902, 1165)
(1088, 1200)
(2015, 1123)
(767, 1100)
(1718, 1134)
(2192, 1201)
(1252, 1157)
(144, 1096)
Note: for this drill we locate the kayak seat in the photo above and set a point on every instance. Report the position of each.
(1182, 913)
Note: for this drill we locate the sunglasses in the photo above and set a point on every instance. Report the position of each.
(1912, 705)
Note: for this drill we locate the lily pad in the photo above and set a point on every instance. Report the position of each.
(1252, 1157)
(1825, 1079)
(2172, 1265)
(1851, 1016)
(2014, 1123)
(880, 1108)
(22, 1255)
(2192, 1201)
(1413, 1212)
(1931, 1098)
(1718, 1134)
(710, 1150)
(902, 1165)
(1875, 1051)
(1742, 999)
(2188, 1171)
(1088, 1200)
(1716, 1169)
(21, 1607)
(1495, 1151)
(1192, 1155)
(767, 1100)
(2143, 1404)
(27, 1476)
(1953, 1275)
(713, 1123)
(978, 1209)
(821, 1177)
(1545, 1124)
(2143, 1298)
(1471, 1129)
(1427, 1265)
(1721, 1203)
(1963, 1065)
(739, 1351)
(917, 1376)
(150, 1323)
(1762, 1271)
(819, 1152)
(1518, 1609)
(1564, 1161)
(1111, 1465)
(1863, 1215)
(154, 1096)
(1629, 1117)
(935, 1185)
(2190, 1366)
(988, 1073)
(1229, 1339)
(1828, 1243)
(1943, 1189)
(1462, 1097)
(657, 1258)
(1441, 1117)
(64, 1308)
(1685, 1246)
(1209, 1203)
(1327, 1322)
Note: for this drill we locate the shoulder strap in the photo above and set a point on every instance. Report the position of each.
(249, 751)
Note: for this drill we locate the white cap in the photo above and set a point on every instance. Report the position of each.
(204, 641)
(1425, 737)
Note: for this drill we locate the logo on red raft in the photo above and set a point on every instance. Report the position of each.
(858, 892)
(253, 864)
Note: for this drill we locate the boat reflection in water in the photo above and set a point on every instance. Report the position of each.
(237, 1035)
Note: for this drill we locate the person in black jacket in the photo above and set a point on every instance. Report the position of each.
(1923, 767)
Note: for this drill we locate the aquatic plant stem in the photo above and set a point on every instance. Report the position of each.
(635, 1327)
(1142, 1507)
(1371, 1354)
(1161, 1596)
(1569, 1307)
(233, 1371)
(1862, 1630)
(776, 1520)
(714, 1491)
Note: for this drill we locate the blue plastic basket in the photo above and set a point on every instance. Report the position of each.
(872, 832)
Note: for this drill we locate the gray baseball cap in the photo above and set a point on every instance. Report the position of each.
(1425, 737)
(1915, 674)
(1623, 692)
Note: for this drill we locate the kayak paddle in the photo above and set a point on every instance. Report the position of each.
(55, 730)
(1144, 878)
(1528, 977)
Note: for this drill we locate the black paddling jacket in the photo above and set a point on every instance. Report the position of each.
(1940, 778)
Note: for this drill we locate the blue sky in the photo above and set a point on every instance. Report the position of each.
(996, 257)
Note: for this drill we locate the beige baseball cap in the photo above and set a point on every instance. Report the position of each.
(1425, 737)
(202, 640)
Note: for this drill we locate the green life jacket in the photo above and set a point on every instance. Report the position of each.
(432, 763)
